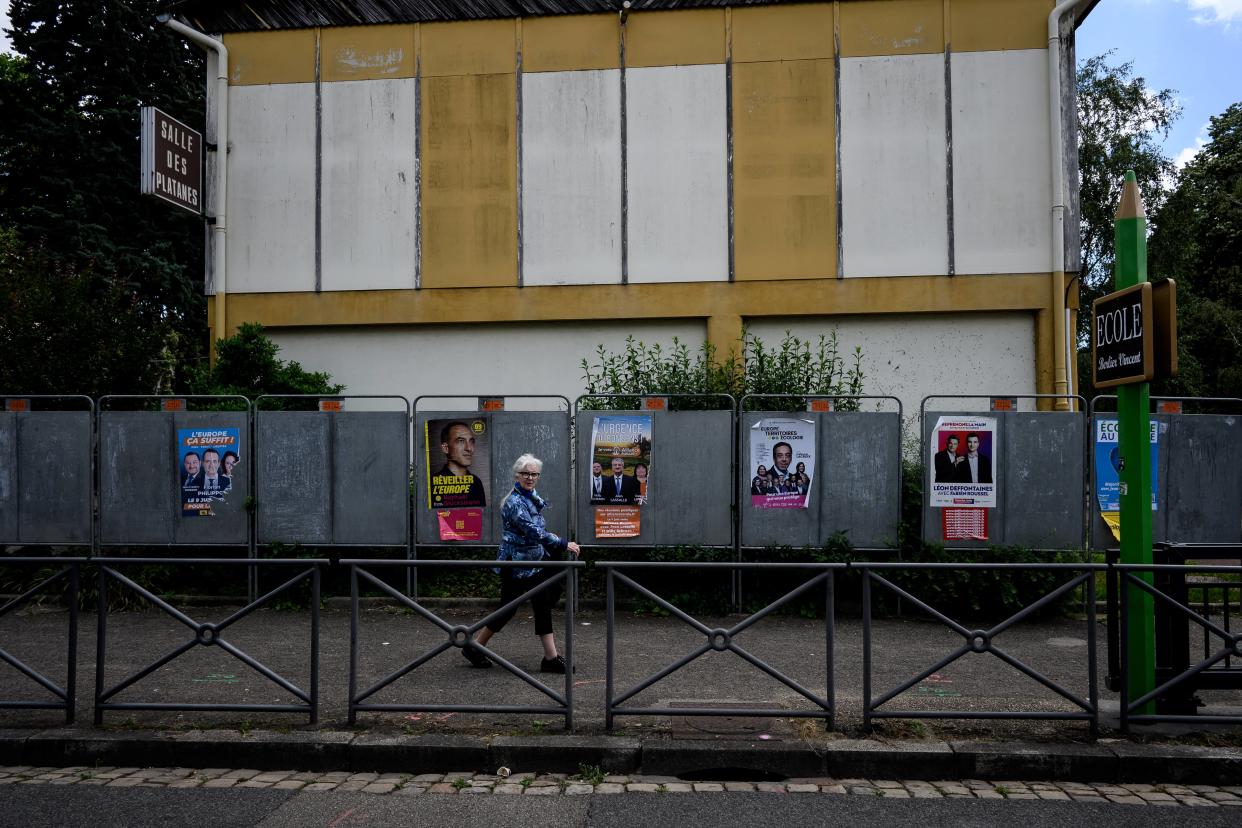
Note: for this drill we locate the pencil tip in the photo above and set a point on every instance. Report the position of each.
(1131, 205)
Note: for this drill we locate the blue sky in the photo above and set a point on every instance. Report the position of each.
(1193, 47)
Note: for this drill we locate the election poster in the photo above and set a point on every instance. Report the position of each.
(458, 462)
(1108, 465)
(620, 480)
(207, 459)
(782, 463)
(964, 462)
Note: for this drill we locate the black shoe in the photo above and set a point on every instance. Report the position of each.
(553, 665)
(475, 656)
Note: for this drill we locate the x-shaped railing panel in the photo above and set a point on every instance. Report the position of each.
(66, 696)
(1132, 577)
(718, 639)
(207, 634)
(460, 636)
(980, 641)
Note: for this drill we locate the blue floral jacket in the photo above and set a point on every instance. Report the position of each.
(526, 536)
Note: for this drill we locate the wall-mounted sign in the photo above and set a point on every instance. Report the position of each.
(172, 160)
(1121, 337)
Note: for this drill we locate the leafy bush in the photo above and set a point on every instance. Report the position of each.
(247, 365)
(794, 367)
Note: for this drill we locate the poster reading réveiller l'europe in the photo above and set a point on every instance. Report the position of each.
(458, 464)
(964, 462)
(782, 463)
(207, 459)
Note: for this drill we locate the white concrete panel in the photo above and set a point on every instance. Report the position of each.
(370, 189)
(677, 175)
(271, 192)
(1001, 190)
(911, 356)
(512, 358)
(893, 176)
(571, 177)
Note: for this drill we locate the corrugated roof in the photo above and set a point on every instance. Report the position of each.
(243, 16)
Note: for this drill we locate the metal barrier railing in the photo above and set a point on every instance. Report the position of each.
(980, 641)
(207, 634)
(460, 636)
(1194, 675)
(719, 639)
(66, 696)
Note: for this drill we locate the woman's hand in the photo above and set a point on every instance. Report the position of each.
(574, 548)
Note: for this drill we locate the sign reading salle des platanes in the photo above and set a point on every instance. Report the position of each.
(172, 160)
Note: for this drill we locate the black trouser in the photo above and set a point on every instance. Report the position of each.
(542, 601)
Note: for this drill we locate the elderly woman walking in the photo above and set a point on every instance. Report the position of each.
(526, 538)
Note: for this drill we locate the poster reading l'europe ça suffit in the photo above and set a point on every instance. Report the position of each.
(458, 466)
(620, 481)
(782, 463)
(207, 460)
(964, 462)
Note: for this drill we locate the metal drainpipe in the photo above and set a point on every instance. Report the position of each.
(219, 230)
(1060, 314)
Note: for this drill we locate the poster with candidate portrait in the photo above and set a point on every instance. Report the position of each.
(458, 462)
(964, 462)
(207, 459)
(620, 479)
(782, 463)
(620, 460)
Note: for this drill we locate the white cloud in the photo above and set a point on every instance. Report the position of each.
(1225, 12)
(1184, 157)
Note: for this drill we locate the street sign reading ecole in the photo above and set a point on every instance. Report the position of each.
(172, 160)
(1121, 340)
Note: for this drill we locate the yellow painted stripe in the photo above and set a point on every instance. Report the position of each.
(366, 52)
(675, 38)
(271, 57)
(687, 300)
(469, 193)
(993, 25)
(469, 47)
(794, 32)
(567, 43)
(891, 27)
(784, 170)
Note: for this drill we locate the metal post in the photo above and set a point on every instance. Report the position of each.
(610, 622)
(866, 608)
(1093, 690)
(101, 641)
(830, 623)
(1124, 651)
(314, 667)
(71, 679)
(353, 641)
(571, 594)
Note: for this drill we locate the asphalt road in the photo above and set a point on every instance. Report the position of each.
(38, 805)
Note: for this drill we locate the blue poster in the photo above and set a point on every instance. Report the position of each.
(206, 460)
(1108, 465)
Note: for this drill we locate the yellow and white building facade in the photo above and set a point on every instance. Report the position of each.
(419, 205)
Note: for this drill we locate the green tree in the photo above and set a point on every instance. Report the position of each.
(1121, 123)
(247, 364)
(1196, 239)
(68, 181)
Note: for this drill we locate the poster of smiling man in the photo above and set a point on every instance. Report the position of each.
(207, 459)
(782, 463)
(964, 462)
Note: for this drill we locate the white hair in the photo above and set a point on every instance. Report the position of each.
(527, 460)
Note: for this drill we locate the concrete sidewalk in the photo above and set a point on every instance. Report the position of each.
(775, 746)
